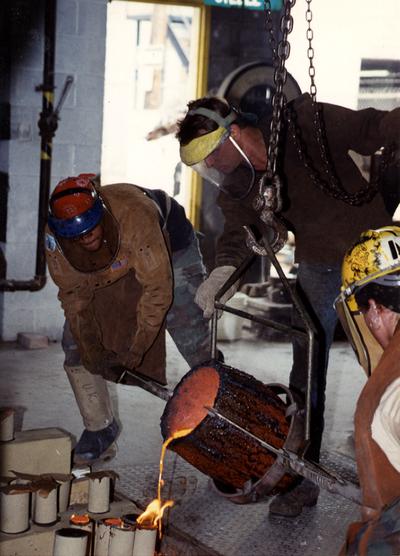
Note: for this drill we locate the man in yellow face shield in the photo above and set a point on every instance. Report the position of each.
(229, 148)
(369, 309)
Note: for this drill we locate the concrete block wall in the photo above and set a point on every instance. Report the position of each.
(80, 52)
(237, 37)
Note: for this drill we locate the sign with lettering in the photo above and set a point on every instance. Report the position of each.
(248, 4)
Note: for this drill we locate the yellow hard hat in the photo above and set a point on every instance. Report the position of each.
(375, 254)
(373, 258)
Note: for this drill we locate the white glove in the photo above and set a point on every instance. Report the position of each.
(206, 293)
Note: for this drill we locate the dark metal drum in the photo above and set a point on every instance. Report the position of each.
(242, 470)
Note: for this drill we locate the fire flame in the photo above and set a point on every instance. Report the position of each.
(152, 516)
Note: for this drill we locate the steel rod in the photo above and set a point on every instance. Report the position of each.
(307, 469)
(147, 384)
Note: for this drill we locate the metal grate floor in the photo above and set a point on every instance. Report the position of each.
(243, 530)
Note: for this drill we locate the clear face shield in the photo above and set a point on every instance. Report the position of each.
(367, 349)
(217, 158)
(89, 241)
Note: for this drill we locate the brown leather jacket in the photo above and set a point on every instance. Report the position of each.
(121, 308)
(323, 227)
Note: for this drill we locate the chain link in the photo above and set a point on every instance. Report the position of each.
(270, 30)
(310, 52)
(280, 54)
(330, 184)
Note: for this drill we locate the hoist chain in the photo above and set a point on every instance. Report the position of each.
(310, 52)
(269, 24)
(330, 184)
(280, 53)
(333, 187)
(269, 201)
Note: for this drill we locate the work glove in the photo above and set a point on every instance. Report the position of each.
(206, 293)
(114, 365)
(106, 364)
(130, 359)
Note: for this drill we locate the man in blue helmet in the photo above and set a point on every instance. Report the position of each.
(109, 252)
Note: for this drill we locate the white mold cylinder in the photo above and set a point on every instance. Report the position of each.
(70, 542)
(121, 541)
(45, 507)
(102, 538)
(99, 495)
(14, 511)
(145, 542)
(83, 523)
(7, 424)
(64, 491)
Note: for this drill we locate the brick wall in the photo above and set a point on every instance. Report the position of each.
(76, 146)
(238, 36)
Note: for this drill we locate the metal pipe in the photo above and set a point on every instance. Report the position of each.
(47, 127)
(309, 331)
(241, 269)
(266, 322)
(147, 384)
(307, 469)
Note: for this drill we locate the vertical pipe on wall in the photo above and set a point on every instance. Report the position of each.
(47, 127)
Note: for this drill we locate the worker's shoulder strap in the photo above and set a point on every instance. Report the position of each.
(162, 201)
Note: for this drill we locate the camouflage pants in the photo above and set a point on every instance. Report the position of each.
(185, 322)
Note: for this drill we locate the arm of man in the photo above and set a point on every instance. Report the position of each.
(231, 245)
(366, 131)
(231, 251)
(151, 261)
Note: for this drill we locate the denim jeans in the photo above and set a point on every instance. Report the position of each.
(317, 286)
(185, 322)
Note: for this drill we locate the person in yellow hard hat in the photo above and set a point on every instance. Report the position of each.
(369, 310)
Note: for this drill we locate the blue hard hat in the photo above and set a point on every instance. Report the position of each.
(78, 225)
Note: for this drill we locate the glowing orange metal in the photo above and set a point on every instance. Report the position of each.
(79, 519)
(152, 515)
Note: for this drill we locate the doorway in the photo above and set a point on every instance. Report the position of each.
(153, 54)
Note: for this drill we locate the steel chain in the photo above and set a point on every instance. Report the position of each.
(269, 201)
(331, 185)
(334, 188)
(280, 54)
(310, 52)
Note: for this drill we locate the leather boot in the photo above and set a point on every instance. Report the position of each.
(95, 446)
(291, 503)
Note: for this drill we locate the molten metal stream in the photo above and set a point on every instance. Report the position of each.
(152, 515)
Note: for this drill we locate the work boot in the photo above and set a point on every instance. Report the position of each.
(94, 446)
(291, 503)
